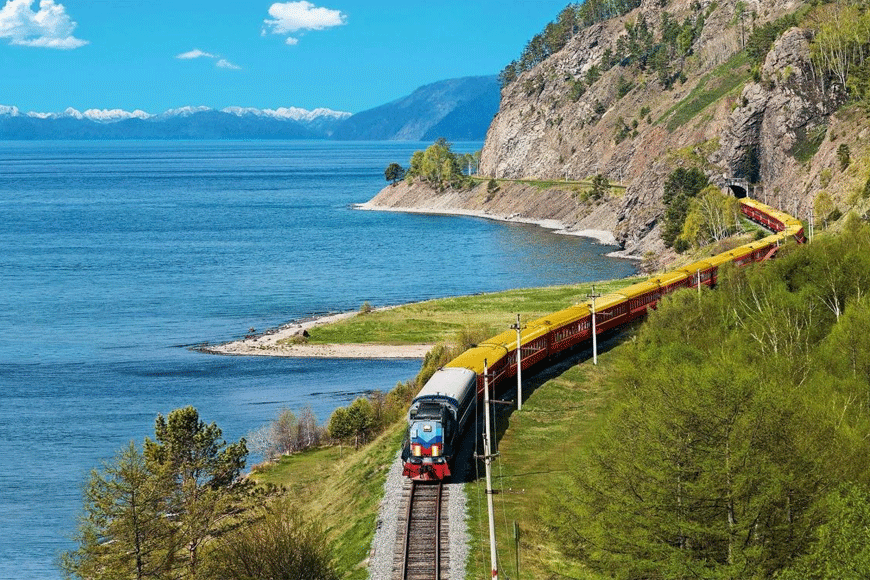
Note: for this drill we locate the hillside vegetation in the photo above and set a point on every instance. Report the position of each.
(724, 438)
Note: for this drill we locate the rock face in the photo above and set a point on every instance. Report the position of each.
(626, 125)
(790, 106)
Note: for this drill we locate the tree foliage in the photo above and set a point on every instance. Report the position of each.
(200, 469)
(355, 422)
(438, 165)
(600, 187)
(712, 216)
(287, 434)
(394, 172)
(680, 188)
(842, 42)
(842, 542)
(123, 531)
(556, 34)
(735, 447)
(146, 514)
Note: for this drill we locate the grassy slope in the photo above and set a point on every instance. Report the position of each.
(535, 455)
(343, 493)
(439, 320)
(342, 490)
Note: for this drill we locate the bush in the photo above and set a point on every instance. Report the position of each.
(623, 87)
(844, 156)
(282, 544)
(600, 187)
(681, 245)
(577, 90)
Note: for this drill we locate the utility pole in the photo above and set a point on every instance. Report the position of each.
(519, 365)
(487, 459)
(812, 223)
(593, 296)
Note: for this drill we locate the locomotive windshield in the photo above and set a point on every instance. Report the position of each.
(428, 411)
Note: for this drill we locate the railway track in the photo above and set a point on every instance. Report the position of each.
(423, 550)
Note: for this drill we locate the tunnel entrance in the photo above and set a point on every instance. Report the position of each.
(739, 187)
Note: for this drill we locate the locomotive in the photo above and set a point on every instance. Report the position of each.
(443, 407)
(436, 420)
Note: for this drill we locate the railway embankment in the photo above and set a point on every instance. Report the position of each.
(363, 529)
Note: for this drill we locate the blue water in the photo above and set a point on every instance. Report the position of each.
(115, 256)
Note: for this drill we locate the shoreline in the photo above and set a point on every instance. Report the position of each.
(267, 343)
(603, 237)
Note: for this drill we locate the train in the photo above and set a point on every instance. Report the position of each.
(449, 399)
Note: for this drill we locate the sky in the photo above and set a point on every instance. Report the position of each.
(345, 55)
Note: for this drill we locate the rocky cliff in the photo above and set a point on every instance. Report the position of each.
(771, 120)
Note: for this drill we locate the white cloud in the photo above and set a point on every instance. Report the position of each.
(224, 63)
(195, 53)
(292, 41)
(50, 27)
(290, 17)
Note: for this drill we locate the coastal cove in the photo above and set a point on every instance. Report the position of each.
(119, 256)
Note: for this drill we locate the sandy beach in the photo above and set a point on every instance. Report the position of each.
(269, 344)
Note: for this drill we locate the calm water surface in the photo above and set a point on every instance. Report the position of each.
(114, 256)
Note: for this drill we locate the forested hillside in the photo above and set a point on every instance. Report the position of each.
(736, 443)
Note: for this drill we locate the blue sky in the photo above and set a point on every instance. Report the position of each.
(346, 55)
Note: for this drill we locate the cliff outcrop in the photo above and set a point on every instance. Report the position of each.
(578, 114)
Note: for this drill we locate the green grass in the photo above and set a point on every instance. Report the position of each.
(439, 320)
(535, 455)
(721, 81)
(343, 493)
(808, 142)
(616, 188)
(342, 490)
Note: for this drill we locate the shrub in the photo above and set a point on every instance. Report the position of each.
(600, 187)
(282, 544)
(825, 177)
(844, 156)
(577, 90)
(623, 87)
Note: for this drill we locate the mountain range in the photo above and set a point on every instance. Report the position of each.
(457, 109)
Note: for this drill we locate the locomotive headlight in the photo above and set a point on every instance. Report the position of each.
(417, 450)
(436, 450)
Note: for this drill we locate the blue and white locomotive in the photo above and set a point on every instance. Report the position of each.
(436, 420)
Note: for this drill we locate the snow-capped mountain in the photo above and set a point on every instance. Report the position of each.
(192, 122)
(292, 113)
(457, 109)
